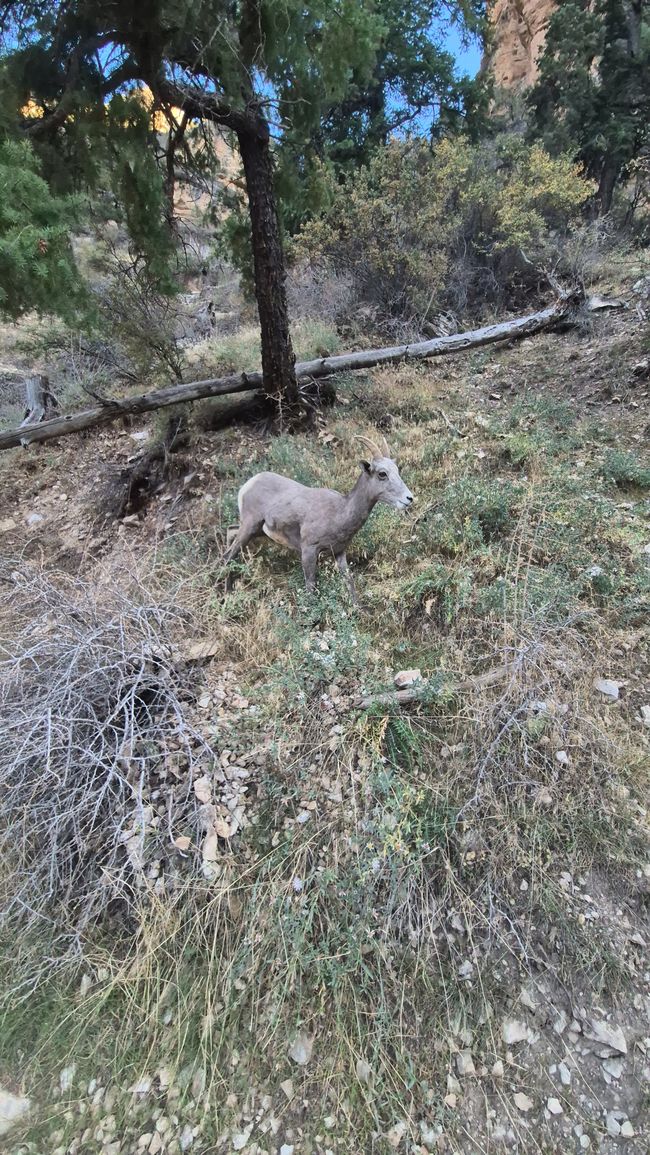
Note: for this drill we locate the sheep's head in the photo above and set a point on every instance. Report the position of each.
(383, 477)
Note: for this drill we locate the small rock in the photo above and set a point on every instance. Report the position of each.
(145, 1139)
(613, 1126)
(607, 688)
(240, 1140)
(142, 1087)
(406, 678)
(522, 1102)
(645, 715)
(363, 1071)
(497, 1070)
(611, 1036)
(450, 1101)
(614, 1067)
(627, 1130)
(562, 757)
(301, 1048)
(287, 1149)
(12, 1109)
(156, 1144)
(287, 1088)
(560, 1024)
(565, 1074)
(513, 1031)
(395, 1135)
(544, 796)
(428, 1135)
(466, 969)
(585, 1142)
(554, 1106)
(465, 1063)
(66, 1078)
(7, 525)
(34, 518)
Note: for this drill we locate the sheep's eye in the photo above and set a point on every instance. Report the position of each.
(382, 473)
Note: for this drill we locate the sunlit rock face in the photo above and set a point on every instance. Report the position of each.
(518, 32)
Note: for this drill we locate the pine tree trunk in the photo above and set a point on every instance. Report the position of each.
(606, 185)
(278, 360)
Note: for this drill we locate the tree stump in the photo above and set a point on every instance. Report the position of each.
(40, 400)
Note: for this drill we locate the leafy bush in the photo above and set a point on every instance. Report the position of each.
(448, 227)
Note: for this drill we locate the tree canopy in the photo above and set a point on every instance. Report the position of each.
(592, 97)
(275, 74)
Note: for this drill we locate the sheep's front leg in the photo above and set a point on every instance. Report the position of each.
(342, 563)
(309, 562)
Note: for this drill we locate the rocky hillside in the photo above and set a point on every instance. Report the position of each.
(518, 31)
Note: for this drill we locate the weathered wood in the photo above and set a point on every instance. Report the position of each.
(322, 367)
(426, 690)
(39, 399)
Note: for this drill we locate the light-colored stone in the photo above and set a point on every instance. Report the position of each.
(142, 1087)
(585, 1142)
(513, 1031)
(13, 1108)
(301, 1048)
(554, 1106)
(612, 1124)
(627, 1130)
(614, 1067)
(405, 678)
(465, 1063)
(607, 687)
(522, 1102)
(66, 1078)
(240, 1140)
(395, 1135)
(287, 1149)
(7, 525)
(498, 1070)
(609, 1034)
(565, 1074)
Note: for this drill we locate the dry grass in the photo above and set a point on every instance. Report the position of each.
(391, 862)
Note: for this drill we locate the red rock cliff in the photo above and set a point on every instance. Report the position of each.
(518, 32)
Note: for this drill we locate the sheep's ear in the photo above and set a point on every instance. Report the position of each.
(367, 465)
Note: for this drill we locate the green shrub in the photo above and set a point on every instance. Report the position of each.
(623, 469)
(448, 227)
(473, 512)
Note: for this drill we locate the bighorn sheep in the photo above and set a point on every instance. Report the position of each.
(315, 521)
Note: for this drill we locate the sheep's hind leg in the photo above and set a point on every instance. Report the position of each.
(309, 557)
(342, 563)
(247, 531)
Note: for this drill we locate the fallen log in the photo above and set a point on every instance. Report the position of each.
(305, 370)
(429, 689)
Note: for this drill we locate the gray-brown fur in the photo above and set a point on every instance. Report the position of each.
(316, 521)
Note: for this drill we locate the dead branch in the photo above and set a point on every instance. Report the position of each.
(322, 367)
(429, 689)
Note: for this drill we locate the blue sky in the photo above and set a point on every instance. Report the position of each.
(468, 56)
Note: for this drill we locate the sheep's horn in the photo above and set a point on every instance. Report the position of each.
(387, 452)
(375, 450)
